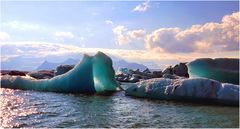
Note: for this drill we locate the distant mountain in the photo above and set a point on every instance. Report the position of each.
(46, 65)
(20, 63)
(130, 65)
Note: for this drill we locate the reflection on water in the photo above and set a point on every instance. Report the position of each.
(45, 109)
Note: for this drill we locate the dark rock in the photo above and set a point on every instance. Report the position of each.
(170, 76)
(13, 72)
(63, 69)
(119, 79)
(146, 71)
(119, 75)
(168, 70)
(133, 80)
(129, 75)
(157, 74)
(146, 77)
(43, 74)
(137, 70)
(126, 79)
(181, 70)
(137, 76)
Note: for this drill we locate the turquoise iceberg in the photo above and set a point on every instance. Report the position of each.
(193, 89)
(220, 69)
(94, 74)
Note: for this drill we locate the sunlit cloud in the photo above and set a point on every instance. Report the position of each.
(142, 7)
(125, 36)
(120, 31)
(209, 37)
(136, 34)
(4, 36)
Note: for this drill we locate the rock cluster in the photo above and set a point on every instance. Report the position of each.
(63, 69)
(123, 75)
(42, 74)
(179, 70)
(136, 75)
(127, 75)
(13, 72)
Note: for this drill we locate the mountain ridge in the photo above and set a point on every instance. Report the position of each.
(47, 65)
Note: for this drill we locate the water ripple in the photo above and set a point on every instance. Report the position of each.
(45, 109)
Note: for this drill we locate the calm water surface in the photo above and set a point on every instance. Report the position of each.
(45, 109)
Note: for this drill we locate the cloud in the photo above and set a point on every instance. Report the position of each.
(209, 37)
(142, 7)
(109, 22)
(21, 26)
(123, 36)
(6, 58)
(4, 36)
(36, 50)
(120, 31)
(62, 36)
(136, 34)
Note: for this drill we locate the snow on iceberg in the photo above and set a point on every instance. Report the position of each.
(193, 89)
(94, 74)
(220, 69)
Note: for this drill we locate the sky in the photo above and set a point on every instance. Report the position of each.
(154, 33)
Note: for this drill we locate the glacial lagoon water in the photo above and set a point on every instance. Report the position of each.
(47, 109)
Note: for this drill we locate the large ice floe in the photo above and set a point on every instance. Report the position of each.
(221, 69)
(193, 89)
(94, 74)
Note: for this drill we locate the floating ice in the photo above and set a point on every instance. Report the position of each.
(221, 69)
(93, 75)
(193, 89)
(125, 71)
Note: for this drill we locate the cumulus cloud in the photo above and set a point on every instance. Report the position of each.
(125, 36)
(109, 22)
(142, 7)
(209, 37)
(4, 36)
(120, 31)
(136, 34)
(64, 36)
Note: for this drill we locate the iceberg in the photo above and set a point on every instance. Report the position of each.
(220, 69)
(94, 74)
(193, 89)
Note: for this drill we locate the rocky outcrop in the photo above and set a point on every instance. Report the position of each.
(13, 72)
(146, 71)
(42, 74)
(132, 76)
(180, 69)
(63, 69)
